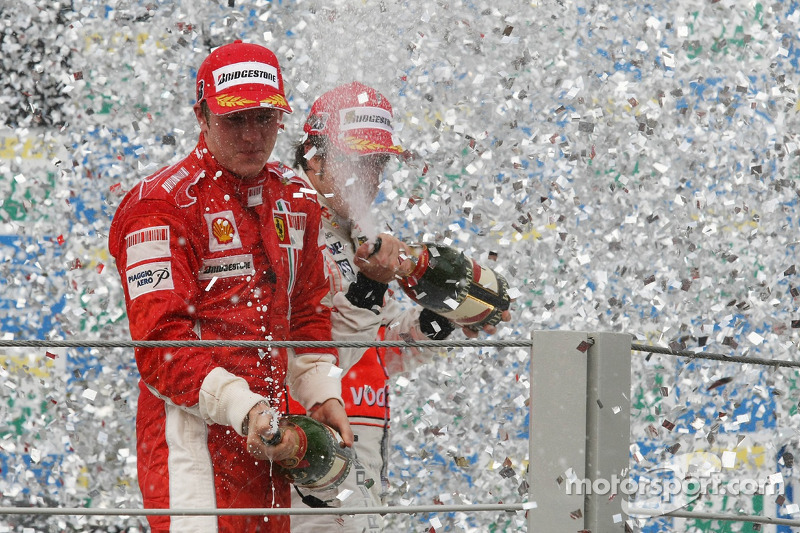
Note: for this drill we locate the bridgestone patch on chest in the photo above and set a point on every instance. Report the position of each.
(227, 267)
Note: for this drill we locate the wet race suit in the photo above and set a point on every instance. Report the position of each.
(205, 255)
(363, 310)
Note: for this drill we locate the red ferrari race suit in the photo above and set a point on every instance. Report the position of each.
(365, 379)
(206, 255)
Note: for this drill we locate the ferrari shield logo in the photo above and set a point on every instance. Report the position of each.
(280, 228)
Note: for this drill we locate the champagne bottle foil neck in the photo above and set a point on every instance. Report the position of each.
(422, 263)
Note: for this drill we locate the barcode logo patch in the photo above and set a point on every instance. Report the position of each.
(175, 179)
(254, 196)
(147, 244)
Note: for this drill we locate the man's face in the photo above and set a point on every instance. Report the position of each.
(355, 179)
(242, 142)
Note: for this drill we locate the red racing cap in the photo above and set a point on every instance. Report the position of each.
(239, 76)
(356, 118)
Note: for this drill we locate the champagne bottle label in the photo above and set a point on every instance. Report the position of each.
(458, 288)
(484, 300)
(338, 471)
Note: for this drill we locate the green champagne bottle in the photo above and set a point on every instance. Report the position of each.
(319, 461)
(448, 283)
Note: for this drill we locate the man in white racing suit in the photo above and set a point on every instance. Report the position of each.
(348, 142)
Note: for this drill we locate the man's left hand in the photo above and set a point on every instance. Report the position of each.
(491, 330)
(332, 413)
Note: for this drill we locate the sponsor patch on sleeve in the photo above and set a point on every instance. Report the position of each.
(149, 277)
(147, 244)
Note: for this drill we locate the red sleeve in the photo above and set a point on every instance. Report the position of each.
(160, 288)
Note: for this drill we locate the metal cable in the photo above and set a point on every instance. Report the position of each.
(468, 343)
(722, 517)
(400, 509)
(716, 356)
(63, 343)
(397, 509)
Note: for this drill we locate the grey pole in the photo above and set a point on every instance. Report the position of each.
(557, 429)
(579, 430)
(608, 428)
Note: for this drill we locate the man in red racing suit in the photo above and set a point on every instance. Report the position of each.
(205, 253)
